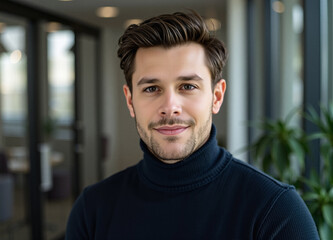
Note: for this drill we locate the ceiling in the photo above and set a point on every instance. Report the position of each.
(85, 10)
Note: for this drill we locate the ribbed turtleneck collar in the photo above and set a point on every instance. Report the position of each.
(195, 171)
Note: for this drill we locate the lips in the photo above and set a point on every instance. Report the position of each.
(171, 130)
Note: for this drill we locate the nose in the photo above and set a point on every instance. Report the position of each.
(170, 106)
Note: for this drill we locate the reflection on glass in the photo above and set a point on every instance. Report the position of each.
(61, 75)
(60, 68)
(13, 118)
(13, 76)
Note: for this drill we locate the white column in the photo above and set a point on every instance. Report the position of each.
(236, 79)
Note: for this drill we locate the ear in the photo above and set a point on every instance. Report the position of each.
(218, 93)
(128, 96)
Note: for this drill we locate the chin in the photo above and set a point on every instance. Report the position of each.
(176, 152)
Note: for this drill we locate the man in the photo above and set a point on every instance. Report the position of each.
(186, 186)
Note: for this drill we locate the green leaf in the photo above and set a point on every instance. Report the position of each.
(274, 150)
(328, 214)
(329, 169)
(317, 135)
(266, 163)
(313, 183)
(298, 150)
(325, 231)
(310, 196)
(314, 207)
(291, 114)
(315, 180)
(260, 146)
(326, 150)
(328, 116)
(279, 162)
(330, 194)
(313, 116)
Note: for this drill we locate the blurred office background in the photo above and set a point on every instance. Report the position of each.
(64, 123)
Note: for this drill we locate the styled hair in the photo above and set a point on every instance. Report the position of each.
(170, 30)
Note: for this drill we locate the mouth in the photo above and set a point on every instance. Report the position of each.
(171, 130)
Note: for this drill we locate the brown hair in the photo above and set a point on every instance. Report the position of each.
(169, 30)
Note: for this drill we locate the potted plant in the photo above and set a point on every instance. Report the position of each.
(280, 149)
(319, 197)
(280, 143)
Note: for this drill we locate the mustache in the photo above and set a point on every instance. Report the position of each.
(170, 121)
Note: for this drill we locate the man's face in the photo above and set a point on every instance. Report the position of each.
(172, 100)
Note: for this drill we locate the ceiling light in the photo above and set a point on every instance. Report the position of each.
(65, 0)
(213, 24)
(132, 21)
(15, 56)
(107, 12)
(2, 27)
(278, 6)
(53, 26)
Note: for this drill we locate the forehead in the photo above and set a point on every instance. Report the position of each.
(170, 62)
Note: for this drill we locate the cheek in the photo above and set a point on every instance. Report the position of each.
(144, 111)
(199, 106)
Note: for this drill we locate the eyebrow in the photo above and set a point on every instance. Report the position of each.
(189, 77)
(147, 80)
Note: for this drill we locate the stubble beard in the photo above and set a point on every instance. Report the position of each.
(193, 143)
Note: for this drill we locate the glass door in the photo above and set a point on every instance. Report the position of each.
(13, 128)
(58, 115)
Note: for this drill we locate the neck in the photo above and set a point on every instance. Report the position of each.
(191, 172)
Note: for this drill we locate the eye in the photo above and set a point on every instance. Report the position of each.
(188, 87)
(151, 89)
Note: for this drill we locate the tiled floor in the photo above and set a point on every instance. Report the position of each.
(55, 217)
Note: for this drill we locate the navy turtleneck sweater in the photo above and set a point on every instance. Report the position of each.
(209, 195)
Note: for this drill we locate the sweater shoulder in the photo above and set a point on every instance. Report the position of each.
(280, 211)
(260, 189)
(245, 171)
(111, 184)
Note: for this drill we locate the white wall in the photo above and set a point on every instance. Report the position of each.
(118, 126)
(88, 97)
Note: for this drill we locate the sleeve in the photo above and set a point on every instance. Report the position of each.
(77, 224)
(288, 218)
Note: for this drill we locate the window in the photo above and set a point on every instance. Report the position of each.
(13, 78)
(61, 76)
